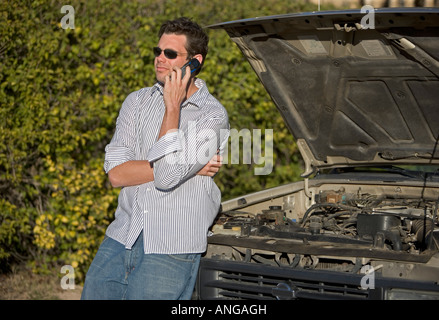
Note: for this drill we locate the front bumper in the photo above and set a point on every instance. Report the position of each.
(220, 279)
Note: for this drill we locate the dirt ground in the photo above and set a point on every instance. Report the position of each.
(24, 285)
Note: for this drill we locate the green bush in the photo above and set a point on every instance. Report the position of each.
(60, 93)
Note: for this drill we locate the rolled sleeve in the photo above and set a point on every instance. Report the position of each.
(116, 155)
(197, 148)
(167, 144)
(122, 145)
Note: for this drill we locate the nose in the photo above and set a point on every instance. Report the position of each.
(161, 57)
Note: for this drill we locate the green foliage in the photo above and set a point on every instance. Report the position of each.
(60, 93)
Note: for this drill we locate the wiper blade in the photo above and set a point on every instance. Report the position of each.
(404, 172)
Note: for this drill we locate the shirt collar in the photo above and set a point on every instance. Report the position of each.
(196, 99)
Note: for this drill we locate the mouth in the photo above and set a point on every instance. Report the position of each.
(161, 69)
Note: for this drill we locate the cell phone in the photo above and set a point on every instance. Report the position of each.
(194, 64)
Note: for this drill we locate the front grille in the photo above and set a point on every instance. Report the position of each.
(235, 280)
(249, 286)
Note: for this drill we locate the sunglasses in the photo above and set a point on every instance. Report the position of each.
(169, 53)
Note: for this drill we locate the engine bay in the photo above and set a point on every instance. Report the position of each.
(386, 220)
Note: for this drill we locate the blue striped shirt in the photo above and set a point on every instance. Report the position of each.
(177, 208)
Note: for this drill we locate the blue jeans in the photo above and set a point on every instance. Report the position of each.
(117, 273)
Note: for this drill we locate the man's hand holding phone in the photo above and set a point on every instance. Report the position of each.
(177, 83)
(175, 92)
(175, 89)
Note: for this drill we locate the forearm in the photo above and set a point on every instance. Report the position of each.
(170, 122)
(175, 167)
(131, 173)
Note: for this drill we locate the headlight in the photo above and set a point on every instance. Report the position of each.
(401, 294)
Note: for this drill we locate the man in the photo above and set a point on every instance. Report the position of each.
(159, 155)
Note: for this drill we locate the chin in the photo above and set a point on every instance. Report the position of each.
(160, 79)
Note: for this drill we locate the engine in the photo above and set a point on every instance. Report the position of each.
(381, 222)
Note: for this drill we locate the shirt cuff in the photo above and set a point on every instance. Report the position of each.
(167, 144)
(116, 155)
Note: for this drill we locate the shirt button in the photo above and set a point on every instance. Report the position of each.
(148, 189)
(145, 211)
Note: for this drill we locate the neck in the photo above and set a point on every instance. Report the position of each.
(192, 88)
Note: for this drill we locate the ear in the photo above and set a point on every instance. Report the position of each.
(199, 57)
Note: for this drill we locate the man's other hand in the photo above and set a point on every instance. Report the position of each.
(212, 167)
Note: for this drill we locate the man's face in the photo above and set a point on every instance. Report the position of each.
(163, 65)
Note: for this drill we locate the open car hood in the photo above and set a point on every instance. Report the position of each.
(351, 92)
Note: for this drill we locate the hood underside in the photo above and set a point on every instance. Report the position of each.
(353, 88)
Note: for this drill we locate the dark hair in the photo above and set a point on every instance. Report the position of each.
(197, 40)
